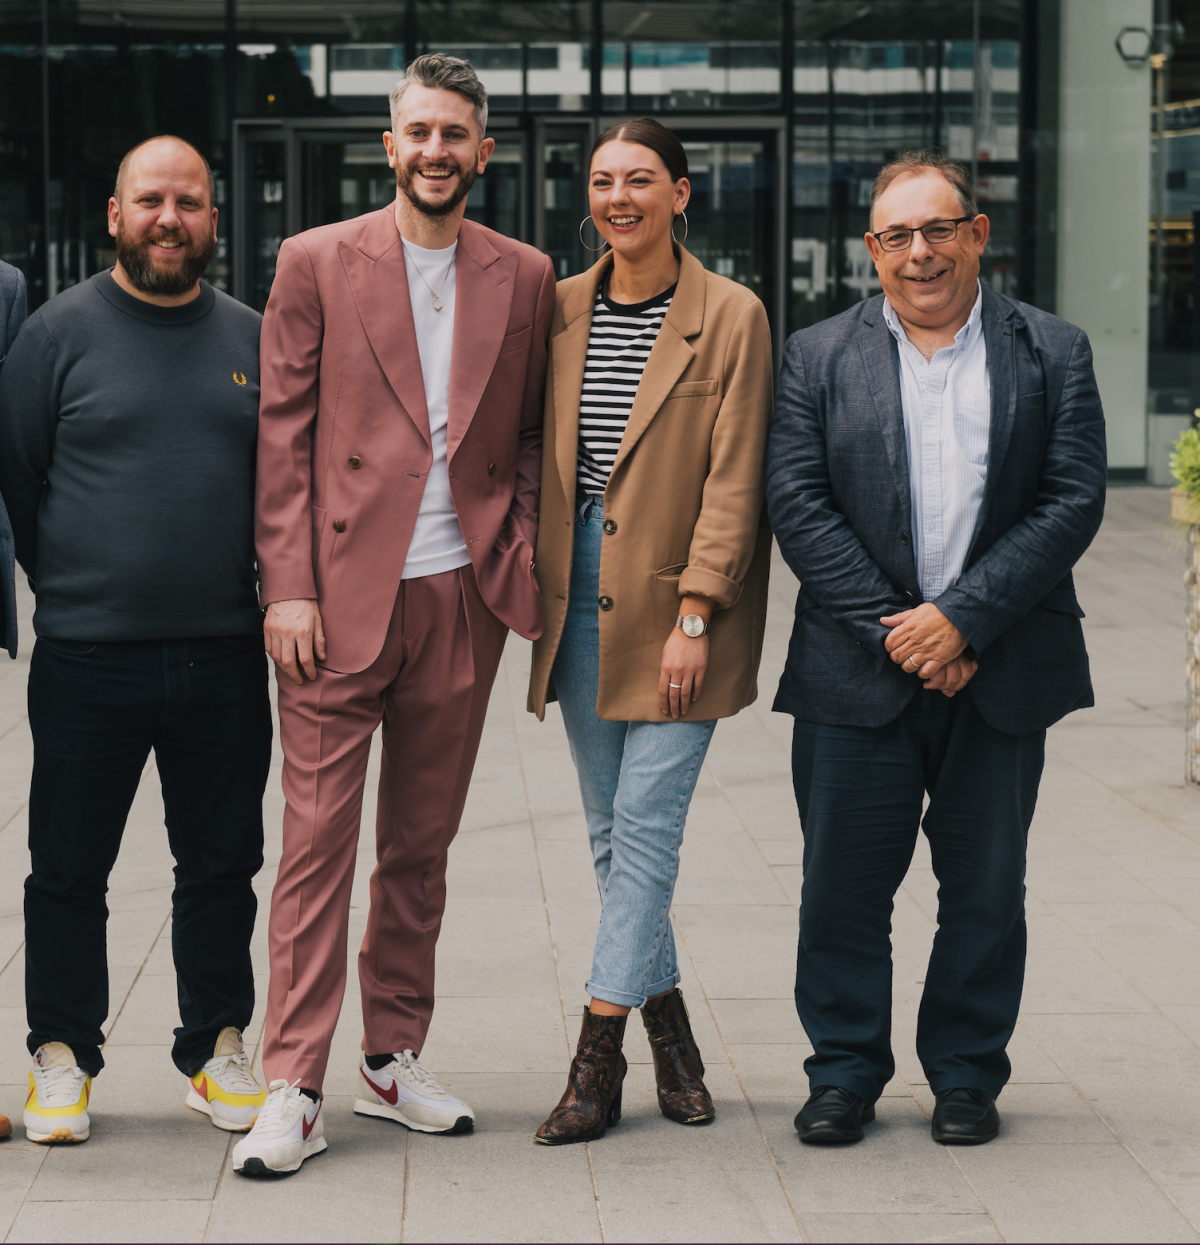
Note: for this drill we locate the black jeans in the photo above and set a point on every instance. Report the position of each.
(95, 711)
(860, 791)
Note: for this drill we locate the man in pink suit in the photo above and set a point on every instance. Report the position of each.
(403, 369)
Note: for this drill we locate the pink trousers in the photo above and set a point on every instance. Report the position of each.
(429, 687)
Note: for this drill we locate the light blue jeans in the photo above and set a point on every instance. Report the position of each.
(636, 780)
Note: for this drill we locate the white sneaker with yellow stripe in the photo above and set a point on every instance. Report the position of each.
(225, 1088)
(59, 1090)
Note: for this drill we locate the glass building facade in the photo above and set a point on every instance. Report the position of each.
(787, 109)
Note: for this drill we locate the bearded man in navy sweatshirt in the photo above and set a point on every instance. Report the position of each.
(128, 423)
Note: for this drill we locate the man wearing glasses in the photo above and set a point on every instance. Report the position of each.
(935, 469)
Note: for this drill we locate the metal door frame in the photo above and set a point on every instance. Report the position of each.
(750, 125)
(291, 132)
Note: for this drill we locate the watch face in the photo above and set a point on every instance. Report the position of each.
(693, 625)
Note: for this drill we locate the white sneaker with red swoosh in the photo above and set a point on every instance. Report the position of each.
(289, 1129)
(408, 1093)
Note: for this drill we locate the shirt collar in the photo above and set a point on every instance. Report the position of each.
(973, 320)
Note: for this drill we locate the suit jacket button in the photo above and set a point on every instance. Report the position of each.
(339, 525)
(606, 603)
(491, 469)
(609, 527)
(355, 462)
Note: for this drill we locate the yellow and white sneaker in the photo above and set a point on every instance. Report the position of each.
(225, 1088)
(56, 1109)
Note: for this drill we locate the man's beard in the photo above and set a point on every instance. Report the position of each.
(148, 277)
(404, 182)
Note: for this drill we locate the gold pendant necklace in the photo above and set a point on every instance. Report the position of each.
(435, 295)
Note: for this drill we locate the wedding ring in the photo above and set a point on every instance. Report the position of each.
(669, 684)
(916, 665)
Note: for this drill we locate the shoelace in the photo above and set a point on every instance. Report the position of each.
(406, 1059)
(237, 1067)
(280, 1106)
(61, 1085)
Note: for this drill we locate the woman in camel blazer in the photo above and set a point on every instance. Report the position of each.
(652, 558)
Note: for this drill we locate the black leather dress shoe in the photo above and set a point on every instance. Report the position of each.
(965, 1117)
(833, 1116)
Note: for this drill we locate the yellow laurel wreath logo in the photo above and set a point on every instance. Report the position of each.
(239, 378)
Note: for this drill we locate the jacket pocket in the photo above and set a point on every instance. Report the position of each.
(516, 341)
(671, 572)
(693, 389)
(1061, 600)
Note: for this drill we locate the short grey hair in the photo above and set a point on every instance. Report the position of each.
(440, 72)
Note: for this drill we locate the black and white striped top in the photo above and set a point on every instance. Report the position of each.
(618, 346)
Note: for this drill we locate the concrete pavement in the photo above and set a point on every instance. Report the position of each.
(1101, 1134)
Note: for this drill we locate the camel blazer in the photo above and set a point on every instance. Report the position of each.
(344, 447)
(684, 504)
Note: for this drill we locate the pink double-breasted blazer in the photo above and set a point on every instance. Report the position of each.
(344, 448)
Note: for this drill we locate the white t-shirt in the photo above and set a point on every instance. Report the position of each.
(437, 541)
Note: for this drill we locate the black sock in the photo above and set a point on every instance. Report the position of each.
(311, 1093)
(375, 1062)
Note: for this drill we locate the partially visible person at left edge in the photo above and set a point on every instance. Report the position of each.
(128, 426)
(12, 316)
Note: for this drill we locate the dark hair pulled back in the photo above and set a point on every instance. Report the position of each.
(647, 132)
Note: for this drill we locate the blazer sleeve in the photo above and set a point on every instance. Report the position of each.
(290, 361)
(726, 530)
(1020, 568)
(29, 394)
(18, 309)
(523, 512)
(815, 538)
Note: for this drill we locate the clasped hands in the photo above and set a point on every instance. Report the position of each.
(927, 637)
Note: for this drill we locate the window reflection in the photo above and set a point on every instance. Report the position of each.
(862, 101)
(529, 56)
(688, 57)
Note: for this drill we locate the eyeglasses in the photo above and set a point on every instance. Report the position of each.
(935, 233)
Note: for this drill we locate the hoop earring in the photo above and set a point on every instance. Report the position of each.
(682, 240)
(583, 244)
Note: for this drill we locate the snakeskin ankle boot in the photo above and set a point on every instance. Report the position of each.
(592, 1101)
(678, 1068)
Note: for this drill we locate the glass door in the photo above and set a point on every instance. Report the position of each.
(731, 222)
(344, 174)
(562, 197)
(263, 223)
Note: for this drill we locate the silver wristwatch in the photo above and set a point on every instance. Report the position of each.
(693, 625)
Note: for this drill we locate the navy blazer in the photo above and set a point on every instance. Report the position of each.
(838, 499)
(13, 310)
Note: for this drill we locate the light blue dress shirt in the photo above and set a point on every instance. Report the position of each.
(947, 419)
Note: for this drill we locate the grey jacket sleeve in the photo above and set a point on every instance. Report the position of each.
(1035, 554)
(815, 538)
(29, 402)
(18, 309)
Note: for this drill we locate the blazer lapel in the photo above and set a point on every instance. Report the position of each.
(484, 281)
(568, 355)
(379, 283)
(881, 361)
(1000, 342)
(670, 354)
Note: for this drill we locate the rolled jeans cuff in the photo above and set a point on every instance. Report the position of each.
(621, 998)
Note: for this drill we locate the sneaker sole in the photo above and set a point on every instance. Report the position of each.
(381, 1111)
(56, 1136)
(197, 1103)
(254, 1166)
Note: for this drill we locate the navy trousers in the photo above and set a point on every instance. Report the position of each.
(96, 712)
(860, 792)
